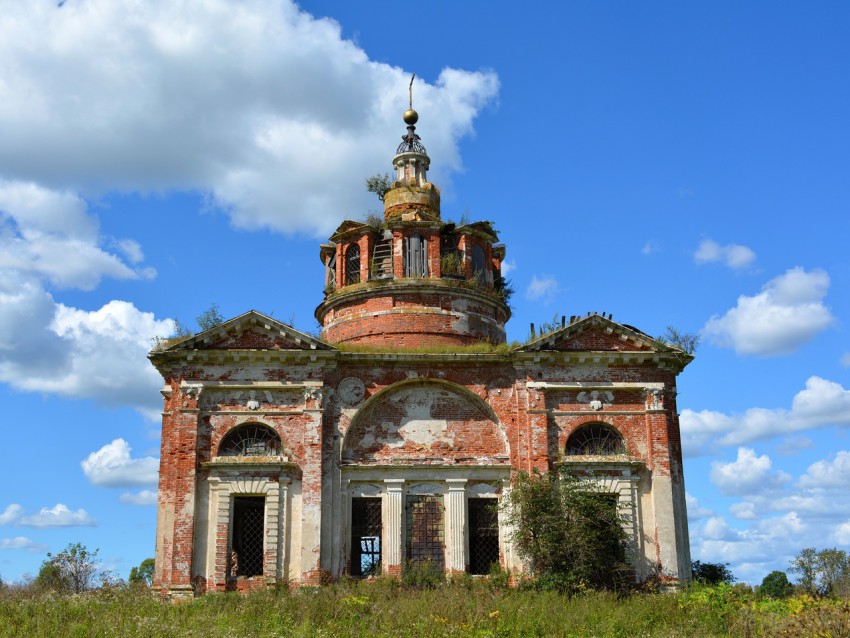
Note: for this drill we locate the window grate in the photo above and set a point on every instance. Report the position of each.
(365, 536)
(595, 439)
(352, 265)
(483, 534)
(425, 530)
(248, 533)
(250, 440)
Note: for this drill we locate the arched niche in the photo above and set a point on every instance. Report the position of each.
(425, 421)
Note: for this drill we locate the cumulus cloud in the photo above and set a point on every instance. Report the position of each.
(746, 474)
(49, 235)
(695, 510)
(509, 265)
(101, 354)
(833, 473)
(821, 403)
(842, 533)
(542, 288)
(22, 542)
(786, 314)
(57, 516)
(112, 466)
(775, 516)
(49, 239)
(256, 103)
(143, 497)
(732, 255)
(11, 514)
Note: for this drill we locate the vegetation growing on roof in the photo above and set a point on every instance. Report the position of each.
(379, 184)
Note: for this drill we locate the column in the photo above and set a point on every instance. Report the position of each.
(272, 541)
(393, 527)
(281, 567)
(456, 525)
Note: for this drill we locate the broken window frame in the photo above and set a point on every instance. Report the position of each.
(366, 536)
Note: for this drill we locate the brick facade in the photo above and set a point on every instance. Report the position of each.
(274, 442)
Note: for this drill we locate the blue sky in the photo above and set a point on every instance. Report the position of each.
(671, 163)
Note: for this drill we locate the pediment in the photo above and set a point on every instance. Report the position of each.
(596, 333)
(251, 331)
(349, 227)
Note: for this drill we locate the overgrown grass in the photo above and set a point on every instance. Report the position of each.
(465, 607)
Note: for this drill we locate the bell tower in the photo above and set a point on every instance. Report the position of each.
(416, 280)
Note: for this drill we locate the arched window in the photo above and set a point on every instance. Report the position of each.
(352, 264)
(595, 439)
(250, 440)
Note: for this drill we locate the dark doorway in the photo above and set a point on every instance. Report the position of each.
(483, 535)
(248, 533)
(425, 530)
(365, 536)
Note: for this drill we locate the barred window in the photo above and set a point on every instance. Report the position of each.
(352, 264)
(595, 439)
(250, 440)
(246, 558)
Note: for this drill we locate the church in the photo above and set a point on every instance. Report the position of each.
(391, 440)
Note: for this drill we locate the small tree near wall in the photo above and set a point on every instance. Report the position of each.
(568, 531)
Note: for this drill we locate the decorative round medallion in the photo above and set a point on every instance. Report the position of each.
(351, 391)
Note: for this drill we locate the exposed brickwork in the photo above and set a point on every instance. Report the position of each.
(397, 424)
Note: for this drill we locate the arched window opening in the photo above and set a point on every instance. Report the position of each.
(416, 256)
(352, 264)
(250, 440)
(595, 439)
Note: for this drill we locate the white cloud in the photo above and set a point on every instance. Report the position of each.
(542, 288)
(747, 474)
(100, 354)
(821, 403)
(845, 360)
(833, 473)
(732, 255)
(57, 516)
(11, 514)
(47, 238)
(508, 266)
(787, 313)
(49, 235)
(649, 248)
(22, 542)
(256, 103)
(695, 510)
(144, 497)
(112, 466)
(842, 533)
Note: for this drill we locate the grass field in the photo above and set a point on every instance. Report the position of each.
(468, 608)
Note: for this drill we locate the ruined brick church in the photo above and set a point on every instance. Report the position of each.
(391, 440)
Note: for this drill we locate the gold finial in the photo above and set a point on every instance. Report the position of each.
(411, 116)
